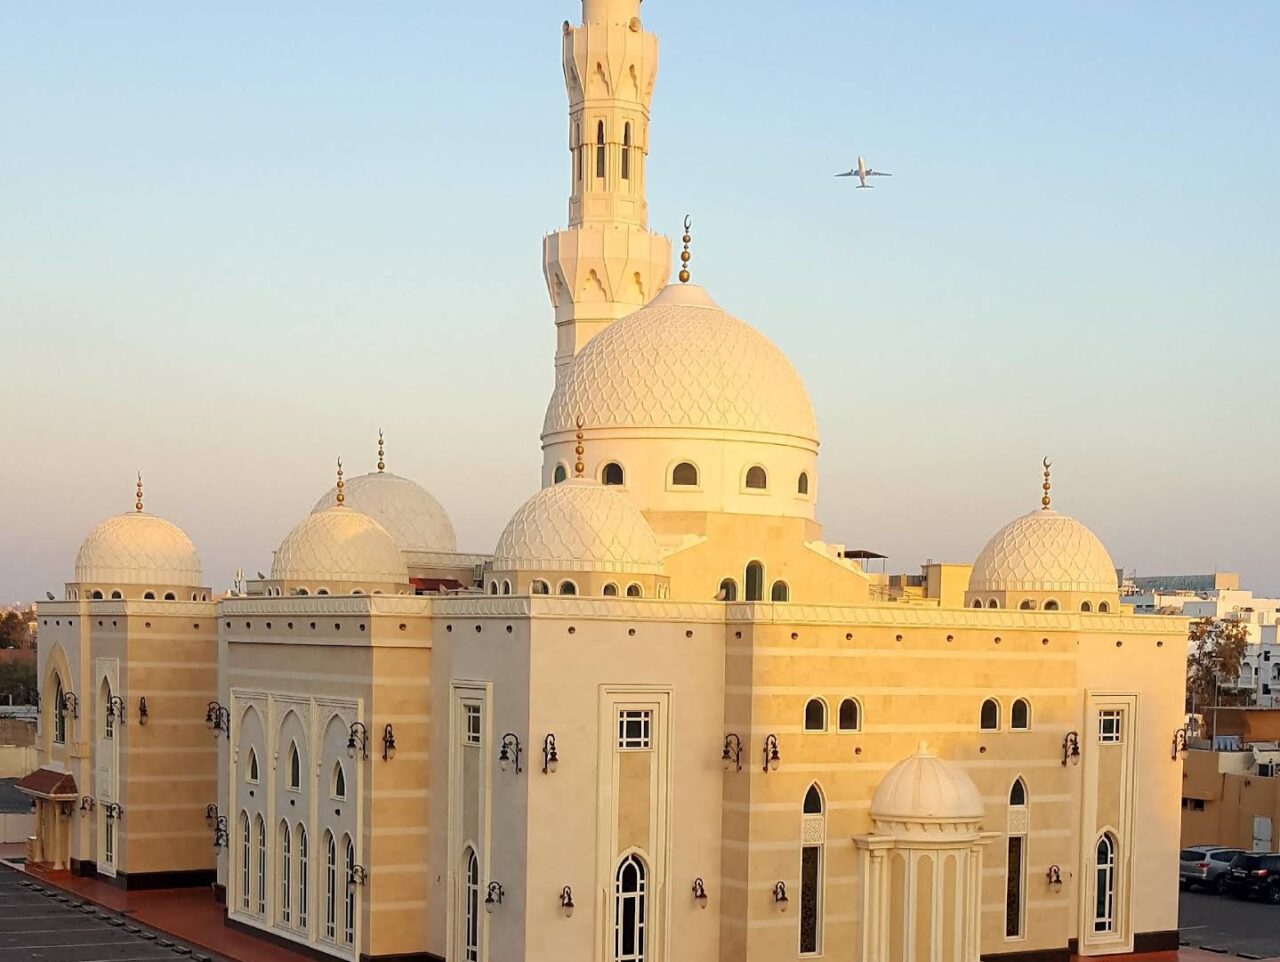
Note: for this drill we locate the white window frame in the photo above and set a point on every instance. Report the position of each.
(286, 872)
(303, 881)
(246, 856)
(641, 742)
(1110, 726)
(473, 721)
(470, 906)
(1105, 885)
(330, 887)
(640, 896)
(260, 826)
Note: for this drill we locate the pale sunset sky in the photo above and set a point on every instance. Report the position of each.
(237, 239)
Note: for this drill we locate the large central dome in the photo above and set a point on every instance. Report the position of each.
(683, 362)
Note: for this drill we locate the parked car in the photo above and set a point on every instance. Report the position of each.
(1254, 876)
(1205, 866)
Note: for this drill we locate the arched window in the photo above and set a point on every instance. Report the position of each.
(755, 581)
(989, 717)
(252, 774)
(626, 152)
(149, 596)
(506, 587)
(630, 916)
(540, 587)
(295, 768)
(261, 828)
(1020, 715)
(611, 590)
(109, 712)
(170, 596)
(59, 713)
(977, 602)
(567, 588)
(1085, 606)
(246, 859)
(577, 151)
(96, 596)
(1103, 607)
(815, 715)
(780, 592)
(302, 592)
(561, 474)
(471, 907)
(322, 591)
(757, 480)
(684, 475)
(634, 591)
(1051, 606)
(1018, 793)
(330, 886)
(802, 483)
(729, 588)
(600, 149)
(813, 801)
(992, 603)
(493, 587)
(303, 874)
(1027, 605)
(1104, 905)
(116, 596)
(286, 872)
(1016, 862)
(612, 474)
(850, 716)
(349, 905)
(339, 781)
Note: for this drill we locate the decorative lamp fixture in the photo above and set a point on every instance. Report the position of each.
(388, 743)
(142, 710)
(550, 760)
(66, 808)
(566, 902)
(113, 810)
(210, 814)
(731, 757)
(1071, 749)
(70, 703)
(510, 750)
(217, 719)
(1055, 877)
(86, 804)
(780, 896)
(115, 707)
(1179, 744)
(771, 756)
(358, 740)
(493, 897)
(357, 875)
(220, 833)
(700, 893)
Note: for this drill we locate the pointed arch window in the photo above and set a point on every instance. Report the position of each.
(600, 149)
(1104, 906)
(286, 872)
(253, 766)
(684, 475)
(630, 911)
(303, 874)
(850, 716)
(813, 801)
(330, 886)
(977, 602)
(339, 781)
(471, 907)
(109, 715)
(755, 581)
(349, 906)
(1103, 607)
(295, 768)
(1085, 606)
(1015, 879)
(815, 715)
(992, 603)
(626, 152)
(989, 717)
(261, 832)
(59, 713)
(246, 859)
(814, 832)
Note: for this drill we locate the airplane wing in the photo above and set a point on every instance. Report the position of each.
(848, 173)
(878, 173)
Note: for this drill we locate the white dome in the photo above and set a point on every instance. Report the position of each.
(338, 545)
(578, 526)
(414, 519)
(138, 549)
(926, 789)
(682, 362)
(1044, 551)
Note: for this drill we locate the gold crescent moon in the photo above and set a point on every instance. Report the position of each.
(688, 221)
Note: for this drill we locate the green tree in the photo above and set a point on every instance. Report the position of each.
(17, 679)
(1217, 649)
(13, 631)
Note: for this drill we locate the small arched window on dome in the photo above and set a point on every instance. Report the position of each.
(991, 603)
(684, 475)
(1020, 716)
(612, 475)
(1027, 605)
(756, 479)
(539, 587)
(610, 590)
(634, 591)
(600, 149)
(303, 592)
(561, 474)
(755, 581)
(170, 596)
(493, 587)
(1051, 606)
(802, 484)
(977, 602)
(626, 152)
(780, 592)
(728, 590)
(116, 596)
(989, 717)
(1085, 606)
(567, 588)
(815, 715)
(322, 591)
(96, 596)
(506, 587)
(1103, 607)
(850, 718)
(813, 800)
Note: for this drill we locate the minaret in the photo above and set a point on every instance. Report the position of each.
(606, 264)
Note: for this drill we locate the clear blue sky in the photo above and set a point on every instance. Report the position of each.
(237, 239)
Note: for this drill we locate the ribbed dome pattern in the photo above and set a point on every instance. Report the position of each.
(1044, 551)
(578, 526)
(682, 362)
(339, 544)
(924, 788)
(414, 519)
(138, 549)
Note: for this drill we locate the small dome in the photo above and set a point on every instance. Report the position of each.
(138, 549)
(926, 789)
(1044, 551)
(414, 519)
(339, 545)
(683, 362)
(578, 526)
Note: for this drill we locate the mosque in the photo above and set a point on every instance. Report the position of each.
(663, 719)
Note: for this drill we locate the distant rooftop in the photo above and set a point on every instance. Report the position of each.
(1219, 581)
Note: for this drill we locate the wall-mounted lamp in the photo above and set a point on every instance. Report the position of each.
(217, 719)
(1054, 876)
(1071, 749)
(780, 896)
(115, 707)
(566, 902)
(66, 808)
(357, 875)
(1179, 744)
(358, 740)
(86, 805)
(550, 759)
(210, 814)
(493, 897)
(220, 832)
(113, 811)
(142, 710)
(388, 743)
(700, 893)
(731, 757)
(70, 703)
(771, 756)
(510, 750)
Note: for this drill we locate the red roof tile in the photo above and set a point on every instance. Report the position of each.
(46, 783)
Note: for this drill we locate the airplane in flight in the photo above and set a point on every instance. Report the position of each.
(862, 172)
